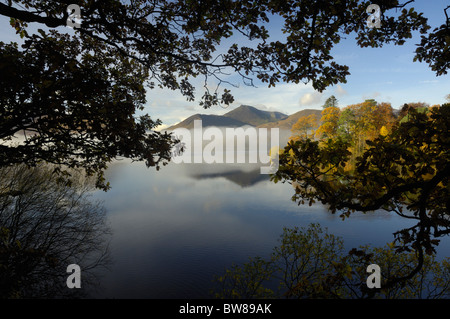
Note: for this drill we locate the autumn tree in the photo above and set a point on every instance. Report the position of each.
(345, 124)
(303, 128)
(329, 122)
(382, 116)
(75, 99)
(357, 123)
(406, 172)
(419, 106)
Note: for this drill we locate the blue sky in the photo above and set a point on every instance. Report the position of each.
(386, 74)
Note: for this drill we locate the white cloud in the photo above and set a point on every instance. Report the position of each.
(373, 95)
(310, 99)
(282, 98)
(161, 127)
(340, 91)
(429, 81)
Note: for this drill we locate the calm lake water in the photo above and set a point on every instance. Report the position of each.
(173, 230)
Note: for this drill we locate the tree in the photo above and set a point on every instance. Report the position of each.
(358, 124)
(78, 96)
(300, 262)
(384, 131)
(303, 126)
(345, 124)
(362, 121)
(330, 102)
(329, 122)
(406, 172)
(74, 108)
(382, 116)
(434, 48)
(45, 225)
(419, 106)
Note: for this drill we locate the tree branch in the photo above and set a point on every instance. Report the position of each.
(26, 16)
(376, 204)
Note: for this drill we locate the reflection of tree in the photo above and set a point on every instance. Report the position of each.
(45, 225)
(311, 263)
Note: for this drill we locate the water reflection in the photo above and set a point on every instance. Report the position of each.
(175, 229)
(46, 225)
(239, 177)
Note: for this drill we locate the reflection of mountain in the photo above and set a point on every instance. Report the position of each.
(239, 177)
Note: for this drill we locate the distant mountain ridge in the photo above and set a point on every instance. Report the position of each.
(246, 115)
(253, 116)
(287, 122)
(208, 120)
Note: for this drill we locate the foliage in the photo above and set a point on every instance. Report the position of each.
(304, 126)
(330, 102)
(431, 282)
(354, 123)
(311, 263)
(73, 104)
(434, 48)
(246, 281)
(329, 122)
(406, 171)
(184, 35)
(365, 120)
(76, 98)
(304, 258)
(47, 223)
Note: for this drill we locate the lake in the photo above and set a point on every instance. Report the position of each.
(173, 230)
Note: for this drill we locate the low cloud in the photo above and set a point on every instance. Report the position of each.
(429, 81)
(309, 99)
(340, 91)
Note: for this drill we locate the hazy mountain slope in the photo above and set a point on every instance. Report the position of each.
(254, 116)
(292, 119)
(208, 120)
(247, 115)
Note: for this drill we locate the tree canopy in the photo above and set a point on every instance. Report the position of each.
(332, 101)
(45, 225)
(406, 171)
(75, 97)
(303, 126)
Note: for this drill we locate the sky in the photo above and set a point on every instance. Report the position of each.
(386, 74)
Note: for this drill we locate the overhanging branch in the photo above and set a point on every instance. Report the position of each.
(26, 16)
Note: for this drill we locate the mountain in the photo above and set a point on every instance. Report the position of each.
(241, 116)
(253, 116)
(208, 120)
(247, 115)
(287, 123)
